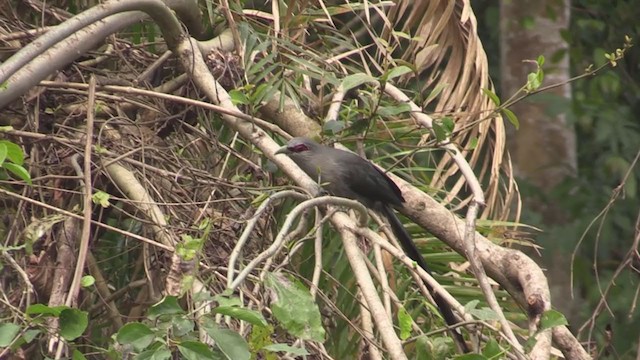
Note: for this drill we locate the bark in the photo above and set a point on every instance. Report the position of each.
(544, 148)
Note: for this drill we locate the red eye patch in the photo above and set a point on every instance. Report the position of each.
(299, 148)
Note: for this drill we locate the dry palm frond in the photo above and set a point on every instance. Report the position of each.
(449, 56)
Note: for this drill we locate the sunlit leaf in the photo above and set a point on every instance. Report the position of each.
(248, 315)
(14, 152)
(87, 281)
(513, 119)
(404, 321)
(18, 171)
(492, 96)
(294, 308)
(287, 348)
(396, 72)
(356, 80)
(552, 318)
(167, 306)
(8, 333)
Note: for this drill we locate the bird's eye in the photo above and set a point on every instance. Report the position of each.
(299, 148)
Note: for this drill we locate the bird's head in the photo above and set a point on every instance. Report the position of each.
(298, 145)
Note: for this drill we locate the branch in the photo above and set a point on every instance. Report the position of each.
(385, 327)
(512, 269)
(237, 250)
(282, 236)
(51, 51)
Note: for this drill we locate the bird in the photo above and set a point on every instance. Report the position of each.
(345, 174)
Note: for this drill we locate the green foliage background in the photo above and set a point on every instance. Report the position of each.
(604, 110)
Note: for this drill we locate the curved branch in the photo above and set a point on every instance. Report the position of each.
(368, 289)
(284, 232)
(155, 8)
(512, 269)
(51, 51)
(235, 253)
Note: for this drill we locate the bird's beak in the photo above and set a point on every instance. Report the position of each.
(282, 150)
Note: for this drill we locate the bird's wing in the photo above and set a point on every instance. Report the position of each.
(369, 182)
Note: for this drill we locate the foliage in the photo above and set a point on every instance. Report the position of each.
(605, 110)
(601, 204)
(174, 187)
(12, 160)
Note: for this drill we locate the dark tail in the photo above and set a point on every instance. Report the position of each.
(412, 251)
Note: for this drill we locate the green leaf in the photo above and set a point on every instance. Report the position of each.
(513, 119)
(100, 149)
(159, 353)
(248, 315)
(473, 143)
(423, 351)
(73, 323)
(492, 96)
(448, 124)
(138, 335)
(433, 348)
(260, 336)
(232, 345)
(167, 306)
(87, 281)
(333, 127)
(540, 60)
(530, 343)
(294, 308)
(287, 348)
(3, 153)
(386, 111)
(8, 333)
(533, 81)
(30, 334)
(225, 299)
(471, 305)
(18, 171)
(402, 35)
(356, 80)
(395, 72)
(14, 152)
(443, 128)
(540, 76)
(238, 97)
(492, 350)
(439, 131)
(77, 355)
(471, 357)
(101, 198)
(404, 321)
(182, 325)
(436, 91)
(190, 247)
(484, 314)
(552, 318)
(41, 309)
(195, 350)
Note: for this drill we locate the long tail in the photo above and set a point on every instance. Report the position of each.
(412, 251)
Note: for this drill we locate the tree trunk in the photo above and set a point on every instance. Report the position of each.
(544, 148)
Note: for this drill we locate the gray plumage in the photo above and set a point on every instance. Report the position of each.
(347, 175)
(343, 173)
